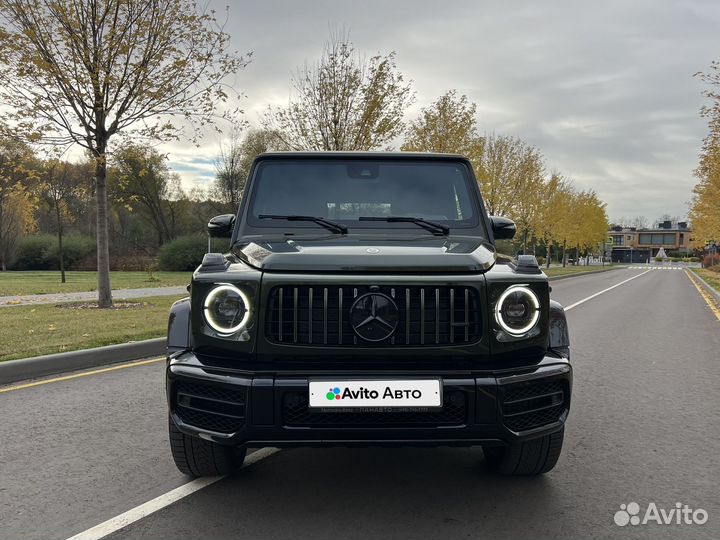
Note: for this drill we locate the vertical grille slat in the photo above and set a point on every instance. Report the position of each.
(437, 316)
(422, 316)
(407, 316)
(340, 316)
(428, 315)
(467, 314)
(325, 315)
(310, 315)
(452, 315)
(280, 315)
(295, 315)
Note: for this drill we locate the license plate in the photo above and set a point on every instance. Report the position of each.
(332, 394)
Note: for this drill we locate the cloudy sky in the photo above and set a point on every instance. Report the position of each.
(604, 89)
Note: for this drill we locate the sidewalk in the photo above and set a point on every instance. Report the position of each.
(119, 294)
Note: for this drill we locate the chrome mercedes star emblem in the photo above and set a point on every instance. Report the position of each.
(374, 316)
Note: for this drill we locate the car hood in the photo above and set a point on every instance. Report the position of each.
(358, 255)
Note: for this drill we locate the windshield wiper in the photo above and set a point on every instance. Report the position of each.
(331, 225)
(435, 228)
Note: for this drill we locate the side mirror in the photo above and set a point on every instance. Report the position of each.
(503, 228)
(221, 226)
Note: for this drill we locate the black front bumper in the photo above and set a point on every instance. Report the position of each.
(270, 409)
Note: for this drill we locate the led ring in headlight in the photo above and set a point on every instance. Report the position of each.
(226, 309)
(517, 310)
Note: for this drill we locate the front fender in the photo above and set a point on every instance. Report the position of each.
(179, 335)
(559, 336)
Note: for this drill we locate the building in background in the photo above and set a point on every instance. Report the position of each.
(631, 245)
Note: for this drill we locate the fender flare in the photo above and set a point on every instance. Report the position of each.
(179, 334)
(559, 335)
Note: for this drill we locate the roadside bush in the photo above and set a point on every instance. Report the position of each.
(186, 252)
(76, 248)
(41, 252)
(541, 261)
(33, 252)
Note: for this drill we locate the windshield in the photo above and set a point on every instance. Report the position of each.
(345, 191)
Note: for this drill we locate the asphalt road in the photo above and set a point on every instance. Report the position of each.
(644, 427)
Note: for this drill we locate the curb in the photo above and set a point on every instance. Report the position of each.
(578, 274)
(51, 364)
(709, 288)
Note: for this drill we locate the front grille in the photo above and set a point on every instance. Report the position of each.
(321, 316)
(210, 407)
(296, 413)
(533, 404)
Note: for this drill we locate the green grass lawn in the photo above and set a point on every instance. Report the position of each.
(15, 283)
(45, 329)
(713, 278)
(560, 271)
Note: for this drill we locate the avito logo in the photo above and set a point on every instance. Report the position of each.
(334, 393)
(682, 514)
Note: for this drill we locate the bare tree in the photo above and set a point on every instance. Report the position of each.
(639, 222)
(59, 180)
(233, 164)
(343, 102)
(81, 71)
(145, 182)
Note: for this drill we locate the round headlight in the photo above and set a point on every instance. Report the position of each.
(226, 309)
(517, 310)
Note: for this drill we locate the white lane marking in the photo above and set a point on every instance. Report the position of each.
(603, 291)
(656, 267)
(158, 503)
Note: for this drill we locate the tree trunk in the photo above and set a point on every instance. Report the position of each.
(549, 254)
(564, 254)
(103, 248)
(61, 254)
(62, 258)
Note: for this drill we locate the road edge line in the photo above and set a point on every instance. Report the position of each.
(162, 501)
(576, 304)
(711, 301)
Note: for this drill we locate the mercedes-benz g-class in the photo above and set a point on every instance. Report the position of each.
(362, 302)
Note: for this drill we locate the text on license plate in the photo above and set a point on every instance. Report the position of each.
(375, 393)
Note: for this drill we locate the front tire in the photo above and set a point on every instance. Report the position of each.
(528, 458)
(197, 457)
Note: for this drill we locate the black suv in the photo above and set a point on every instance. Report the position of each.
(362, 302)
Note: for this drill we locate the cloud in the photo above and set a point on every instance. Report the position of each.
(603, 89)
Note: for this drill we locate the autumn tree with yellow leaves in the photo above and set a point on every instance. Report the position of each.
(16, 199)
(705, 206)
(513, 178)
(446, 126)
